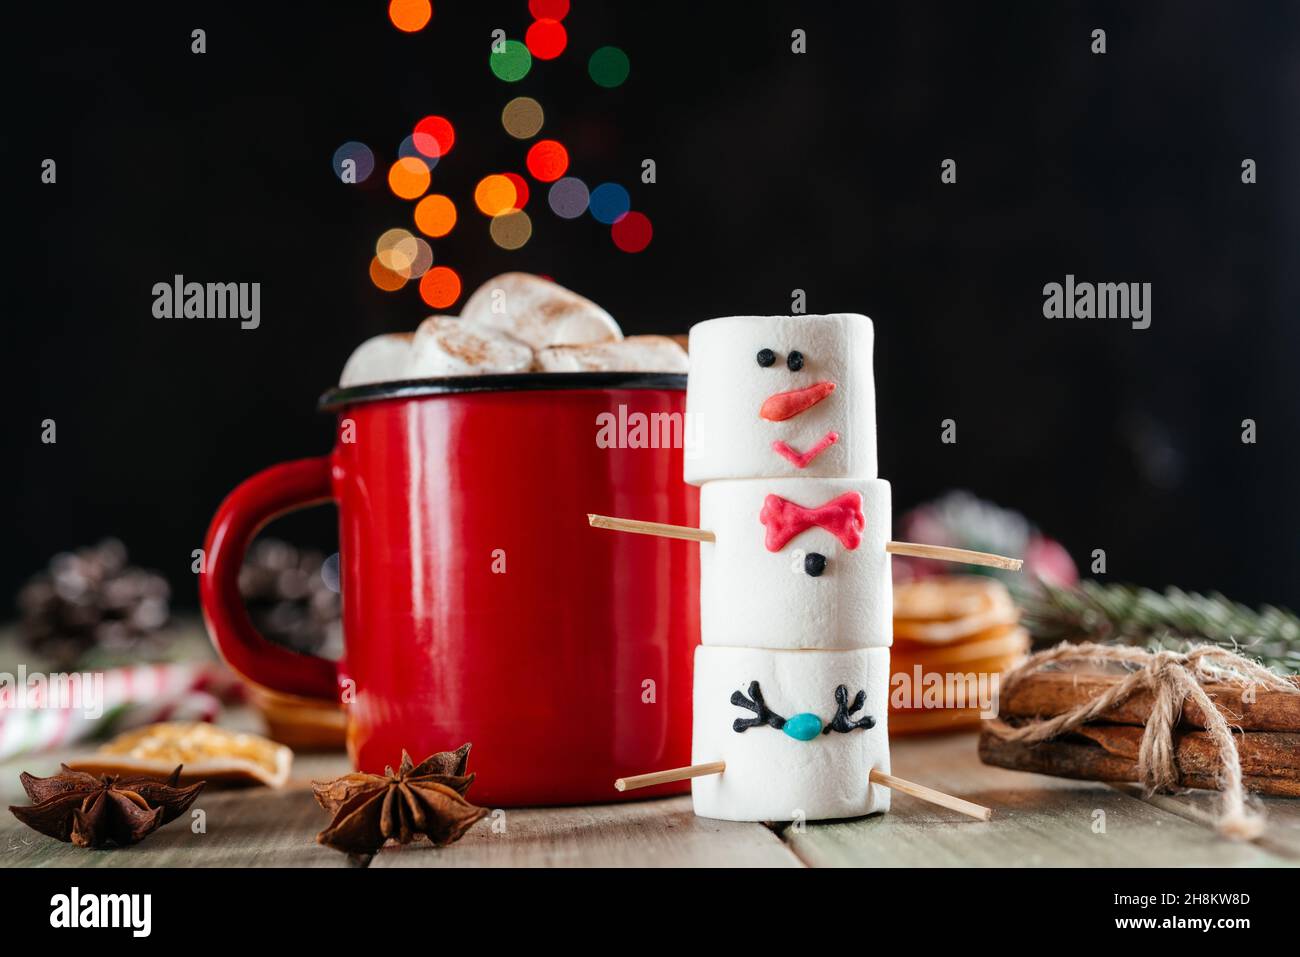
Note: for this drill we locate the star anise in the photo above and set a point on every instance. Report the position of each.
(417, 800)
(102, 810)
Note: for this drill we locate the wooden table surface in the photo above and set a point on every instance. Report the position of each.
(1038, 821)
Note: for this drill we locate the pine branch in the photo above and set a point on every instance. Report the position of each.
(1139, 616)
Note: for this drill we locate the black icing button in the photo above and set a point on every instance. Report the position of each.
(814, 564)
(794, 360)
(766, 357)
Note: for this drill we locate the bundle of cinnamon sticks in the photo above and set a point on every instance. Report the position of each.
(1266, 728)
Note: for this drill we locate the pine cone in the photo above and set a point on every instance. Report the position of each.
(92, 599)
(288, 597)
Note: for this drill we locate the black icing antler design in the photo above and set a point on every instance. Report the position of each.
(842, 721)
(763, 715)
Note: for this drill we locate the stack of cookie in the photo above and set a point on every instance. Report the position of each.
(952, 635)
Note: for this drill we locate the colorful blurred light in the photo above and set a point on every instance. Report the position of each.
(632, 233)
(435, 215)
(420, 262)
(609, 203)
(522, 117)
(384, 278)
(408, 177)
(548, 9)
(511, 229)
(434, 136)
(408, 148)
(609, 67)
(569, 197)
(396, 249)
(546, 39)
(494, 194)
(440, 287)
(548, 160)
(512, 62)
(521, 189)
(363, 161)
(409, 15)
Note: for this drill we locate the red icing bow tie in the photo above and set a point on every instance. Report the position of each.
(841, 516)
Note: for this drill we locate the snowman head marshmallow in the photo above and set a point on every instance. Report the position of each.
(781, 397)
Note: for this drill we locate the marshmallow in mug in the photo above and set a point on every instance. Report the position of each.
(633, 354)
(446, 346)
(539, 312)
(796, 563)
(800, 733)
(781, 396)
(385, 358)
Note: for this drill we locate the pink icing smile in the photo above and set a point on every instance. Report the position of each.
(800, 460)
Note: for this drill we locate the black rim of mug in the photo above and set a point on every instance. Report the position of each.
(336, 399)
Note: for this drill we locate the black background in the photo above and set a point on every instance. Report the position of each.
(776, 171)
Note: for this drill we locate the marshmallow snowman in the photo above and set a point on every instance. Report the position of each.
(792, 676)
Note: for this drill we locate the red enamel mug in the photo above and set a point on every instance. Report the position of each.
(478, 604)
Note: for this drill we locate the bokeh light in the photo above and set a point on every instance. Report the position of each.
(609, 203)
(512, 62)
(362, 160)
(512, 229)
(568, 197)
(409, 15)
(521, 189)
(384, 278)
(546, 39)
(435, 215)
(420, 262)
(440, 287)
(396, 249)
(408, 177)
(329, 573)
(548, 9)
(548, 160)
(609, 67)
(434, 136)
(632, 233)
(522, 117)
(408, 148)
(494, 194)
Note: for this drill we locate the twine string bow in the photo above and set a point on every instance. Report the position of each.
(1172, 678)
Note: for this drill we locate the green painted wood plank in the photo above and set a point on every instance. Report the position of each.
(659, 833)
(1281, 835)
(1038, 821)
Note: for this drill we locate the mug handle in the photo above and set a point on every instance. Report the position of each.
(270, 493)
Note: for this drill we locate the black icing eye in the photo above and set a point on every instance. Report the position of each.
(814, 564)
(766, 357)
(794, 360)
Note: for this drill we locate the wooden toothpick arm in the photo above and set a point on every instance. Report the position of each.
(912, 549)
(945, 554)
(667, 777)
(969, 808)
(650, 528)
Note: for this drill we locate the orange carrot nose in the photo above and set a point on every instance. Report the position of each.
(786, 405)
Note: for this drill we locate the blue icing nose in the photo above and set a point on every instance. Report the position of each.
(803, 727)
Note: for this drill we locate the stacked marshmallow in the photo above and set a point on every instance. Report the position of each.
(791, 680)
(513, 323)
